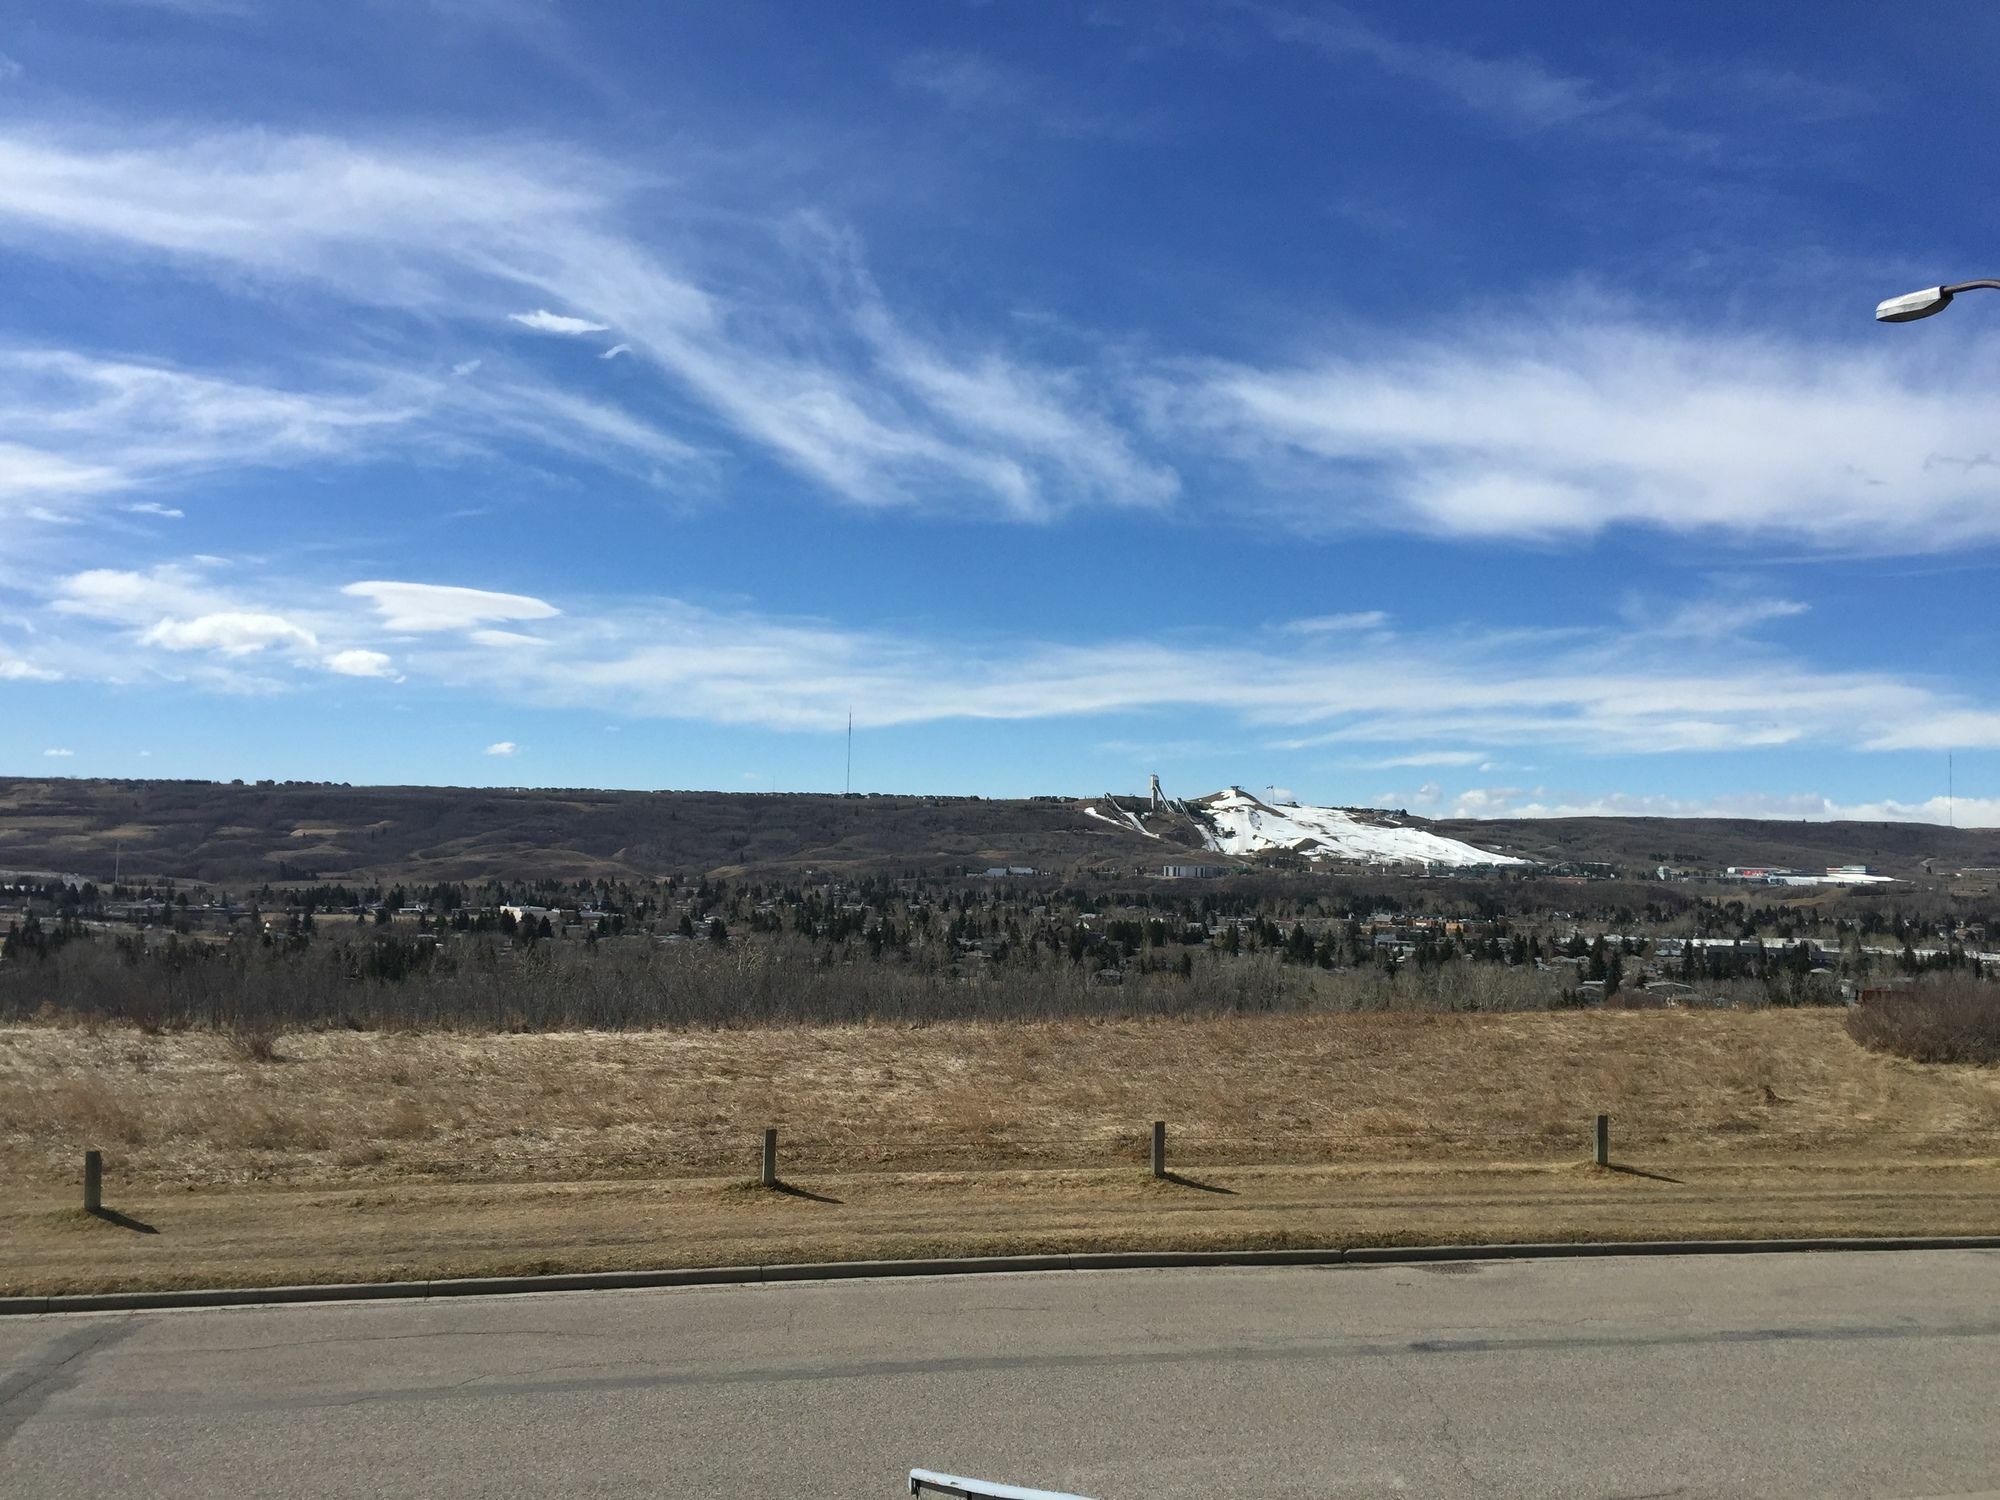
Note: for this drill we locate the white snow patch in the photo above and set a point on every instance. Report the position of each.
(1124, 822)
(1245, 825)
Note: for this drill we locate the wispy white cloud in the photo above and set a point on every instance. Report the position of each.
(179, 611)
(544, 321)
(13, 669)
(32, 477)
(1367, 619)
(419, 607)
(1567, 427)
(501, 747)
(210, 8)
(58, 753)
(1532, 428)
(615, 351)
(163, 418)
(1063, 444)
(130, 597)
(963, 80)
(1959, 812)
(230, 632)
(1422, 698)
(1951, 729)
(357, 662)
(996, 93)
(1517, 91)
(104, 426)
(537, 22)
(1713, 617)
(811, 365)
(390, 227)
(1425, 694)
(1155, 752)
(1691, 111)
(1425, 758)
(1432, 800)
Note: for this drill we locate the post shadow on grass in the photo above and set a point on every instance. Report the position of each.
(793, 1190)
(123, 1221)
(1631, 1171)
(1182, 1180)
(1601, 1155)
(767, 1173)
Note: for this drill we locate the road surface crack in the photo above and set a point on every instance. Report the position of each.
(27, 1391)
(1444, 1433)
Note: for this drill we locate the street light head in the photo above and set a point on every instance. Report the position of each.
(1913, 305)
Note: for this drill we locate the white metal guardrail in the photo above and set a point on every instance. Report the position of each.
(922, 1480)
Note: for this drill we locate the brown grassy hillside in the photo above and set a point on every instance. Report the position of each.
(229, 833)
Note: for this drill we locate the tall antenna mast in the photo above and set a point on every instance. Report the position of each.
(850, 752)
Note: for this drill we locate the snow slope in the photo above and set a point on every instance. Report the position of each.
(1124, 820)
(1241, 824)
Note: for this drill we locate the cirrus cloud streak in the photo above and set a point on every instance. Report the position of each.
(1431, 697)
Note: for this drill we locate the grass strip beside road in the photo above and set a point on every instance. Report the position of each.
(281, 1236)
(348, 1156)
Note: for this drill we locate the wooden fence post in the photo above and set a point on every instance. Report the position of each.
(93, 1181)
(1159, 1148)
(1603, 1142)
(769, 1176)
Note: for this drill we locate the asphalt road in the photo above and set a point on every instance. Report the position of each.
(1827, 1375)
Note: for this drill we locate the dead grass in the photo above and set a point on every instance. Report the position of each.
(253, 1236)
(257, 1044)
(196, 1110)
(353, 1155)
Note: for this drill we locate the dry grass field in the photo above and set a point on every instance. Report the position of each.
(355, 1155)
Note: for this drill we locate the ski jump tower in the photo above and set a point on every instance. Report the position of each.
(1158, 797)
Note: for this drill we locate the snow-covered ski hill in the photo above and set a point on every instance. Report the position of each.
(1239, 823)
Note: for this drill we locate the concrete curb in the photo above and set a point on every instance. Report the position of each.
(855, 1270)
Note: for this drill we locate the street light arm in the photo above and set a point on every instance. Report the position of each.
(1971, 286)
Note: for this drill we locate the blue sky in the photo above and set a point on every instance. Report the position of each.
(1424, 405)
